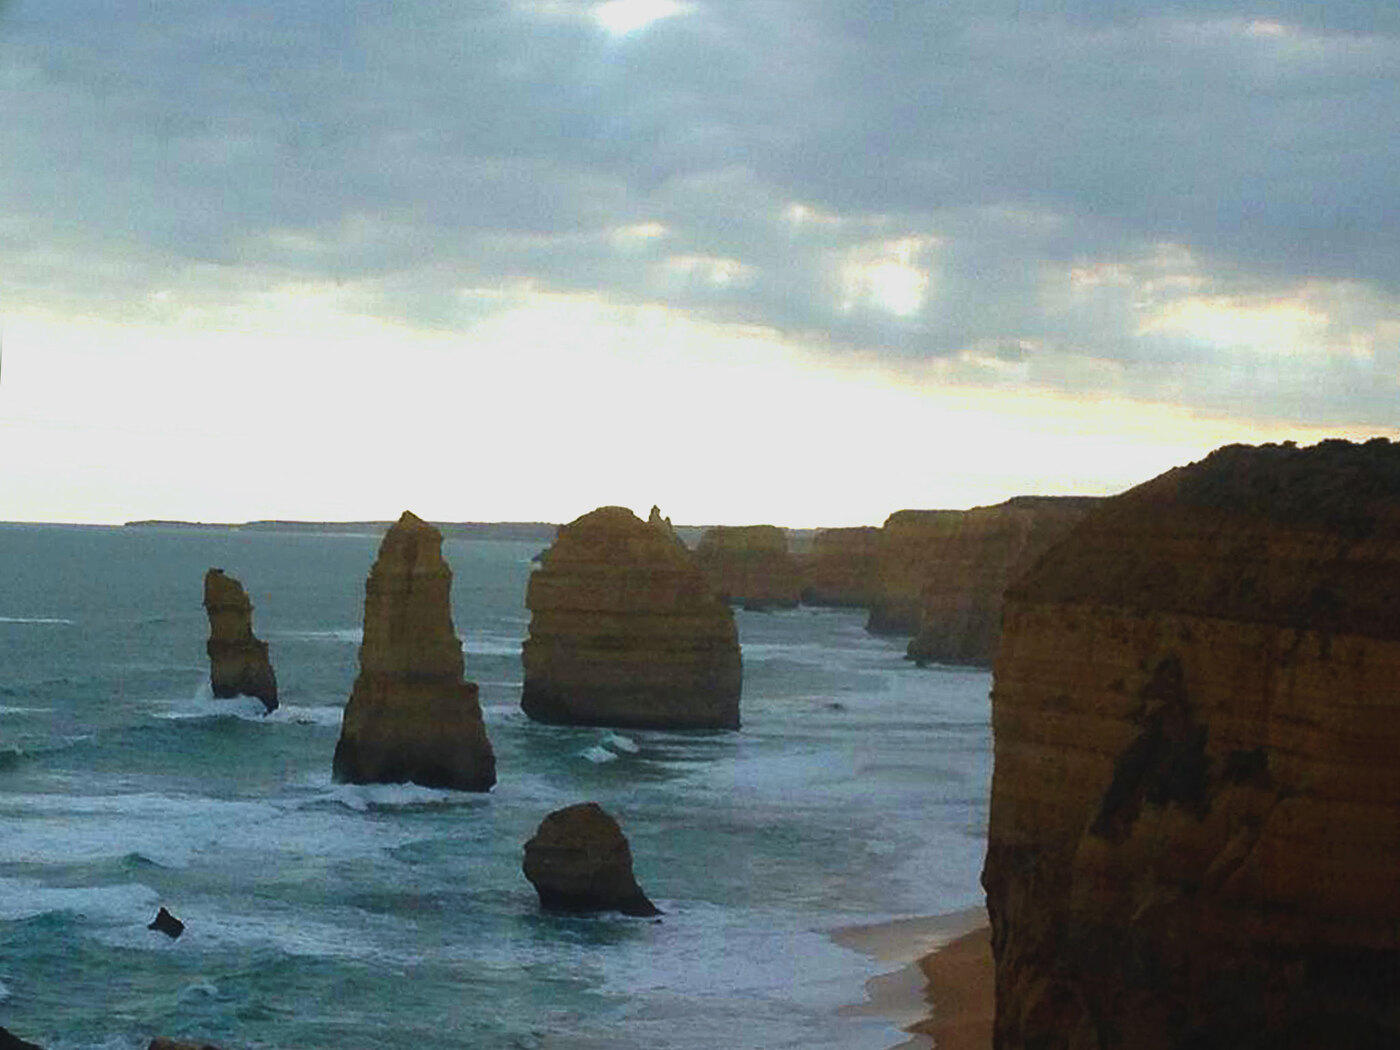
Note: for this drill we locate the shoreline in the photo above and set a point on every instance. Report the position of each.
(941, 992)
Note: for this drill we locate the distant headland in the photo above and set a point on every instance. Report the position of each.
(541, 531)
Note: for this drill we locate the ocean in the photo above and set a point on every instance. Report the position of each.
(346, 917)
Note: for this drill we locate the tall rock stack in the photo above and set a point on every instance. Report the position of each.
(750, 564)
(840, 569)
(1195, 813)
(411, 715)
(910, 541)
(238, 661)
(982, 552)
(625, 631)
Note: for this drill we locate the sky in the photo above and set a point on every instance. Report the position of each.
(794, 261)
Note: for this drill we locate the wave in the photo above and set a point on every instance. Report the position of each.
(347, 635)
(366, 797)
(598, 755)
(52, 620)
(121, 904)
(618, 742)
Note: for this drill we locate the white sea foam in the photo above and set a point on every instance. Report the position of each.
(5, 992)
(293, 714)
(203, 705)
(121, 904)
(598, 755)
(618, 742)
(362, 797)
(52, 620)
(338, 635)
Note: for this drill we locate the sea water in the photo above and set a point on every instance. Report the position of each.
(343, 917)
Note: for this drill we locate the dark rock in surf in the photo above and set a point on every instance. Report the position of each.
(579, 861)
(238, 661)
(10, 1041)
(166, 924)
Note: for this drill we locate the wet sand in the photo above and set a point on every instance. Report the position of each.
(942, 991)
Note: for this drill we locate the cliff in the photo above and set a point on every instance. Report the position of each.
(238, 661)
(1194, 838)
(411, 715)
(749, 564)
(910, 541)
(625, 631)
(978, 554)
(841, 567)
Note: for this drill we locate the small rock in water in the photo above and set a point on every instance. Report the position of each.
(170, 1044)
(166, 924)
(10, 1041)
(579, 861)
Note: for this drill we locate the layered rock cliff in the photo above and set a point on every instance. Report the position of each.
(625, 631)
(238, 661)
(968, 569)
(750, 565)
(1195, 812)
(411, 715)
(840, 569)
(910, 541)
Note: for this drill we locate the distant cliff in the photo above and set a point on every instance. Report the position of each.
(840, 569)
(749, 564)
(625, 631)
(1195, 812)
(976, 555)
(910, 542)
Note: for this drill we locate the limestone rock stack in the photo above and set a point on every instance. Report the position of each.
(579, 861)
(1195, 813)
(411, 715)
(750, 564)
(981, 552)
(910, 541)
(841, 566)
(238, 661)
(625, 631)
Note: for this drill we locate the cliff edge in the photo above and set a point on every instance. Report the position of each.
(1195, 814)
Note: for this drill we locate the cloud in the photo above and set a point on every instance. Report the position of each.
(1193, 204)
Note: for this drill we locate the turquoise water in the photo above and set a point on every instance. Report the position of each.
(331, 916)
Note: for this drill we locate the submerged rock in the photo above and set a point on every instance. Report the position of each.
(166, 924)
(625, 631)
(238, 661)
(10, 1041)
(579, 861)
(170, 1044)
(412, 716)
(1193, 835)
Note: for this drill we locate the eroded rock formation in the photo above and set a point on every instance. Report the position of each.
(750, 565)
(979, 553)
(579, 861)
(411, 715)
(840, 570)
(238, 661)
(909, 542)
(625, 631)
(1195, 813)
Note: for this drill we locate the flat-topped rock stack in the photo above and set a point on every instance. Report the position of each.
(1195, 813)
(625, 631)
(910, 541)
(840, 569)
(750, 565)
(412, 716)
(238, 661)
(980, 553)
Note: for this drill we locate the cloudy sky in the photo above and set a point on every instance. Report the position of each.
(799, 261)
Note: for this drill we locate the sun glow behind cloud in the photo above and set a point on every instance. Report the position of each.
(622, 17)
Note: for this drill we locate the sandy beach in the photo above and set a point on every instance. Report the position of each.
(942, 991)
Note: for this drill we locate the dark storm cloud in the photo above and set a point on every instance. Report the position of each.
(1059, 173)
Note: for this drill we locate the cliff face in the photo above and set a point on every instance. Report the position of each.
(625, 631)
(977, 555)
(749, 564)
(841, 567)
(238, 661)
(411, 716)
(1195, 819)
(910, 541)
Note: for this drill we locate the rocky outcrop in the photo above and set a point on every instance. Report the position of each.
(238, 661)
(625, 631)
(167, 924)
(579, 861)
(979, 553)
(411, 715)
(841, 568)
(10, 1041)
(1194, 836)
(749, 565)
